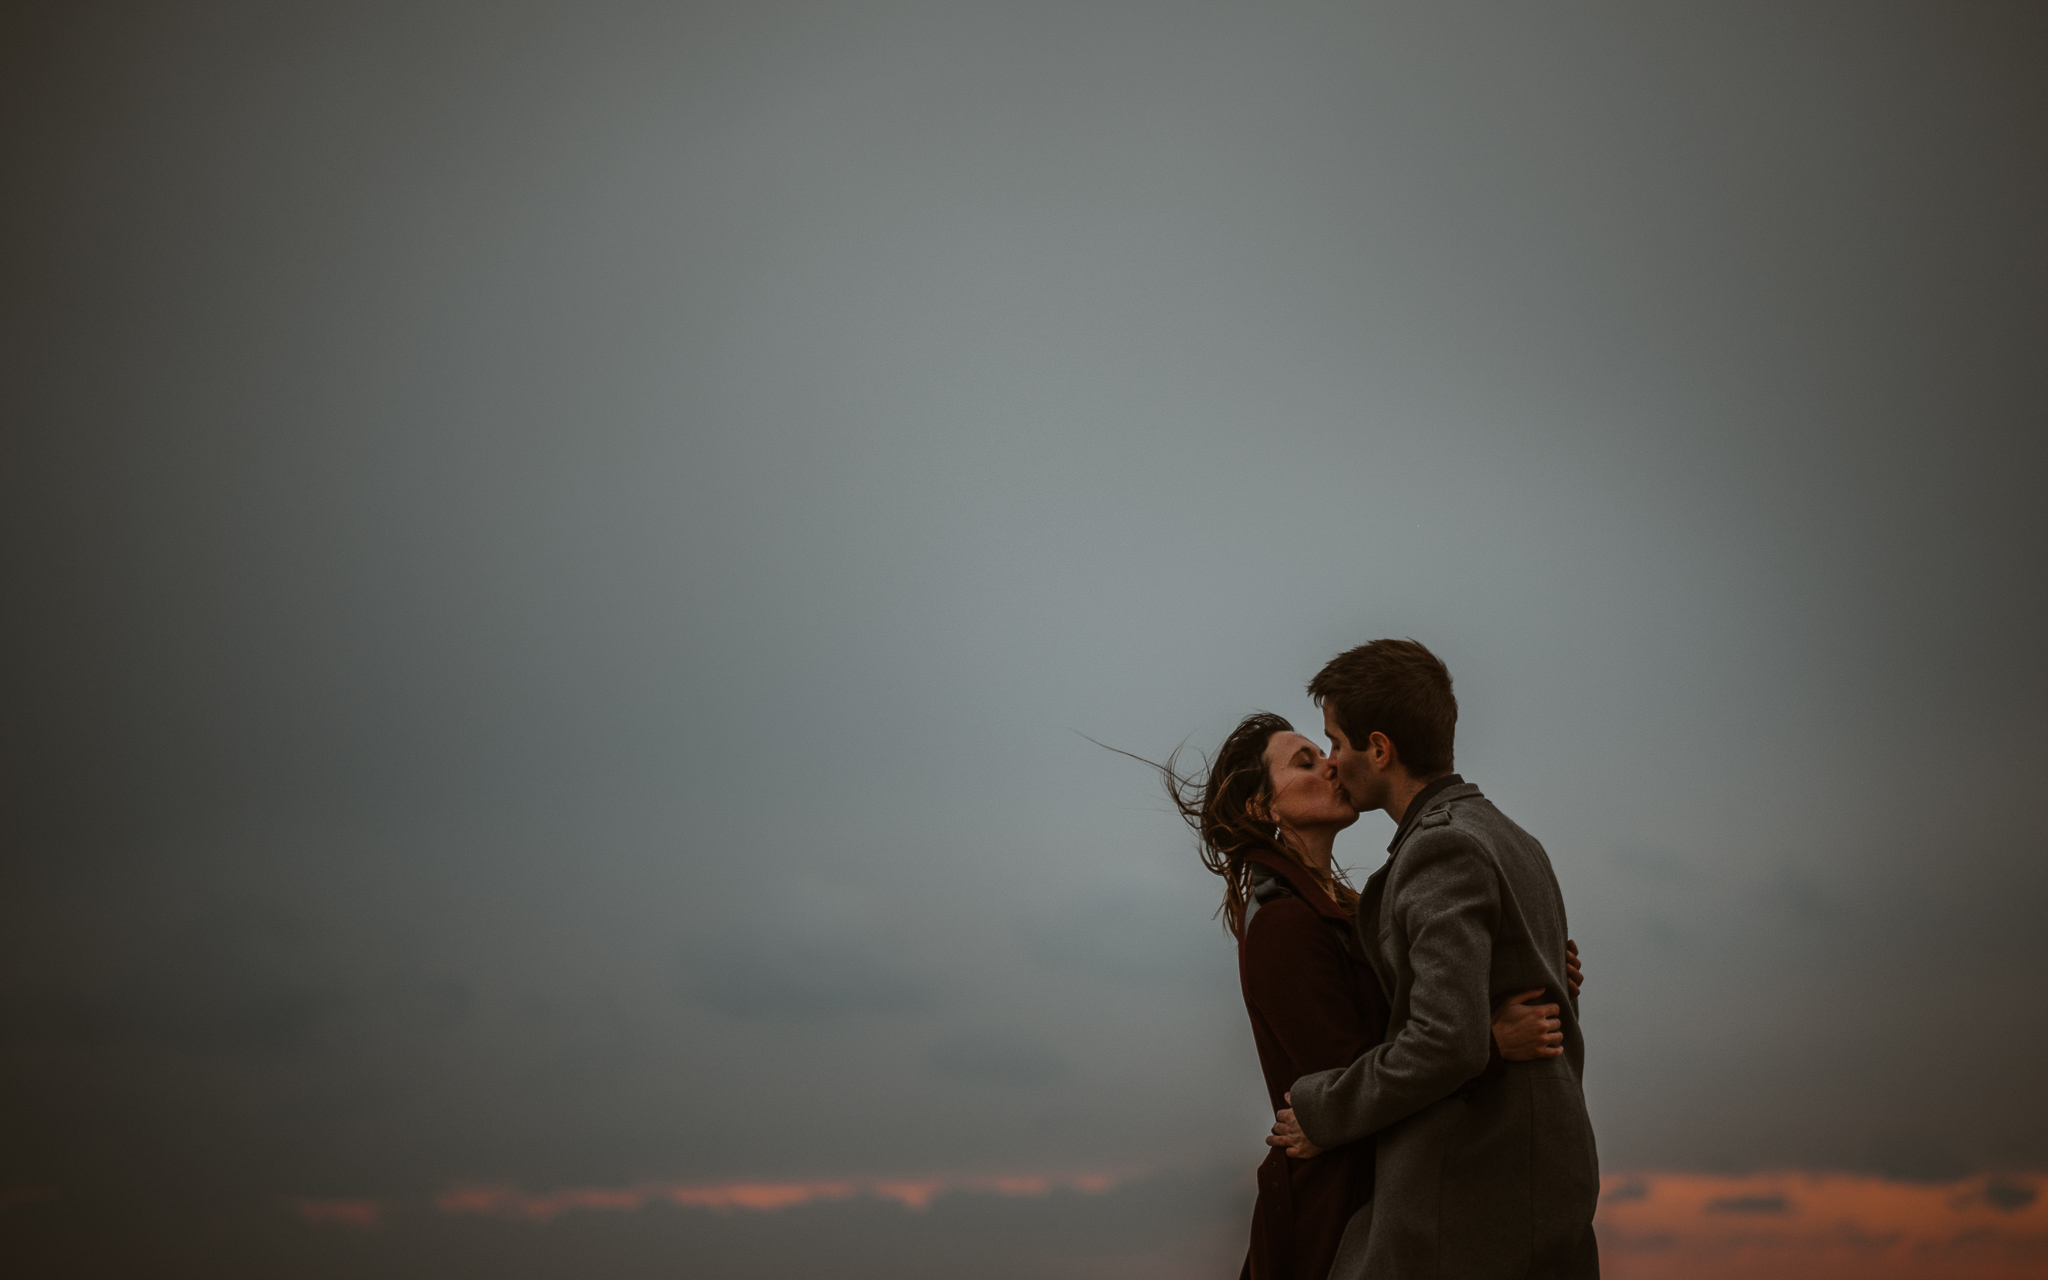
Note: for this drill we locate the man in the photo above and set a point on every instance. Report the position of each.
(1485, 1168)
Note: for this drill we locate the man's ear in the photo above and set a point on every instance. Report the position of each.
(1380, 750)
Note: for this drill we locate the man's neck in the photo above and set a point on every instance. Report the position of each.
(1403, 791)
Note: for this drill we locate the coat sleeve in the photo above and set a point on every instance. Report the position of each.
(1448, 907)
(1297, 976)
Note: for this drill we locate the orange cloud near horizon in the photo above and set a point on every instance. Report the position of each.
(363, 1215)
(1653, 1226)
(1804, 1226)
(760, 1197)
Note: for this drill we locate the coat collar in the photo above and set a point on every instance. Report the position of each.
(1431, 809)
(1297, 879)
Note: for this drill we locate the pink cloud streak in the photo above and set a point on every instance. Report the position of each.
(363, 1215)
(757, 1196)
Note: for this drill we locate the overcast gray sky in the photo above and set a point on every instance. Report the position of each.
(556, 554)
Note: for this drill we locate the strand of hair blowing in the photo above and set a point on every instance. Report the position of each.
(1216, 801)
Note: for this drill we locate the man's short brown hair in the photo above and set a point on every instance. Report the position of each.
(1400, 689)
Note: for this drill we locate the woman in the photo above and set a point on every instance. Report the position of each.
(1267, 814)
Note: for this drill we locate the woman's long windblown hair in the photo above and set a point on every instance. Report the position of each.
(1216, 801)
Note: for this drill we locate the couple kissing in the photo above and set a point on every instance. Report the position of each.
(1419, 1036)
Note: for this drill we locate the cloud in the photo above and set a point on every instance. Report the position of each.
(996, 1055)
(13, 1197)
(363, 1215)
(1653, 1226)
(247, 982)
(1122, 932)
(1772, 1203)
(760, 1196)
(717, 1197)
(1803, 1226)
(2008, 1194)
(796, 979)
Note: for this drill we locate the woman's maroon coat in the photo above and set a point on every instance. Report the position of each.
(1314, 1005)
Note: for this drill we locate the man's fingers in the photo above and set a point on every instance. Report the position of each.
(1525, 996)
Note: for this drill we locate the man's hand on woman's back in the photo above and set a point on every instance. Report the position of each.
(1288, 1136)
(1526, 1032)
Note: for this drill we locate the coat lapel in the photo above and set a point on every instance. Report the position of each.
(1373, 896)
(1368, 926)
(1297, 880)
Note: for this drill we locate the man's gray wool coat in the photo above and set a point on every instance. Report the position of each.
(1484, 1172)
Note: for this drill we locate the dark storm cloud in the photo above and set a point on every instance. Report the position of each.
(1748, 1204)
(554, 556)
(245, 982)
(1120, 931)
(1002, 1055)
(808, 980)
